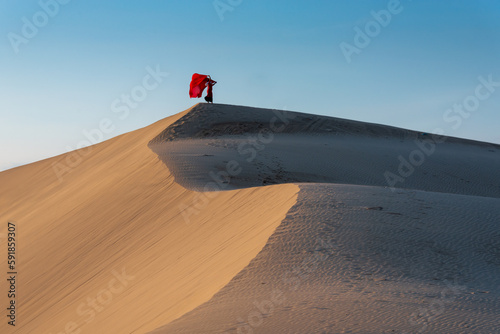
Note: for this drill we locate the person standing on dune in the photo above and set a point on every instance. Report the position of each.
(210, 98)
(198, 84)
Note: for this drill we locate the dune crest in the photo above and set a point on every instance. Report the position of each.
(108, 250)
(273, 146)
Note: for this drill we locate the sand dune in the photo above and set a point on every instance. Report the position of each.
(119, 210)
(416, 262)
(227, 219)
(274, 146)
(350, 258)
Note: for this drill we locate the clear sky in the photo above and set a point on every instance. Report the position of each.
(66, 65)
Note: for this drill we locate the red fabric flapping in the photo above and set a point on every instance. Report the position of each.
(198, 84)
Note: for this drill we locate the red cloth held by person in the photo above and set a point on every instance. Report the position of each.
(198, 84)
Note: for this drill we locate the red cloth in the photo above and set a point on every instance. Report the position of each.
(198, 84)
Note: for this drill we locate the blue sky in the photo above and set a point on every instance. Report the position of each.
(62, 79)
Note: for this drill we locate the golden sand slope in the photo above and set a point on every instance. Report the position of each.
(113, 230)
